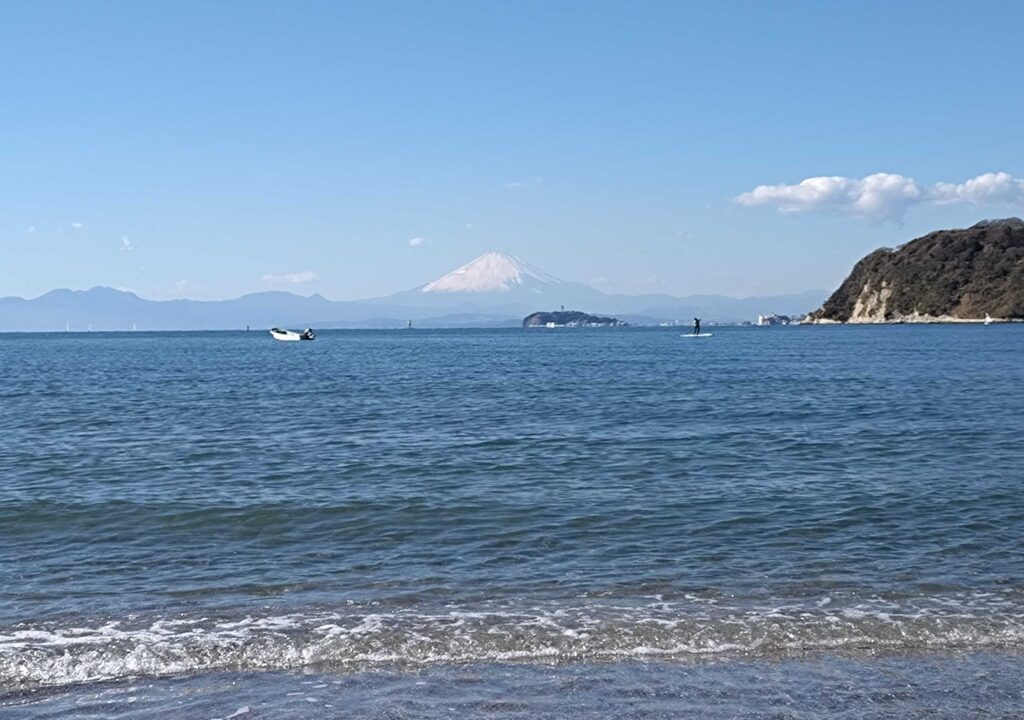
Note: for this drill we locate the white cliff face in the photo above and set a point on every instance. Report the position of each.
(491, 272)
(871, 305)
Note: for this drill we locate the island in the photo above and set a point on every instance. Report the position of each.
(569, 318)
(974, 274)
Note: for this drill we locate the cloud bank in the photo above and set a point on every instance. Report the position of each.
(295, 278)
(883, 196)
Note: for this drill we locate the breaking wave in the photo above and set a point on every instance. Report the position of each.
(54, 655)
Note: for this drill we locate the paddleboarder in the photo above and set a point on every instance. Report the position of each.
(696, 326)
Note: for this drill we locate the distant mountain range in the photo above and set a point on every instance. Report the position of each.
(494, 290)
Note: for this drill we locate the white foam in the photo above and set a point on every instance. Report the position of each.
(55, 655)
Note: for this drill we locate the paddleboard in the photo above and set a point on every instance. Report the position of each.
(702, 335)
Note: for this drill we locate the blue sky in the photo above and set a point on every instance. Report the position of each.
(211, 149)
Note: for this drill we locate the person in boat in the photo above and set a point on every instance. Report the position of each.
(696, 326)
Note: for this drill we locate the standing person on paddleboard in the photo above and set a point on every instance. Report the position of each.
(696, 326)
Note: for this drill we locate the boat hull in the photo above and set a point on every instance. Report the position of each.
(285, 335)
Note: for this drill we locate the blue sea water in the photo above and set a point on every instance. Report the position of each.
(775, 522)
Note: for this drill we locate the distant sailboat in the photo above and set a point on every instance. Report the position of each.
(988, 319)
(410, 325)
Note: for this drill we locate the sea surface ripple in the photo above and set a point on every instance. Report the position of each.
(173, 504)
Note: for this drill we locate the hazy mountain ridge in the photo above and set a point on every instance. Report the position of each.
(495, 290)
(944, 276)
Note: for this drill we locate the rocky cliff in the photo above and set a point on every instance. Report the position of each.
(945, 276)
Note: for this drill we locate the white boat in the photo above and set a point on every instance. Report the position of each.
(291, 335)
(988, 319)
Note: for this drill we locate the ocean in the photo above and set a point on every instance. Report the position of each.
(785, 522)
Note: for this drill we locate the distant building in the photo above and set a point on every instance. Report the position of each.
(773, 319)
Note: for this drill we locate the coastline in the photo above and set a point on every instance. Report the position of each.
(915, 319)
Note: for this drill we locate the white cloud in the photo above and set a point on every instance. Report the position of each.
(77, 225)
(126, 244)
(30, 230)
(417, 241)
(882, 196)
(988, 189)
(295, 278)
(523, 184)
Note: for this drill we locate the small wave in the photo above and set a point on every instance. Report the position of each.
(48, 655)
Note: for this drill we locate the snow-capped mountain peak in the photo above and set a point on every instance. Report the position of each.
(491, 272)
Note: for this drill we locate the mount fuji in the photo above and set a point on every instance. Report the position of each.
(493, 272)
(496, 282)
